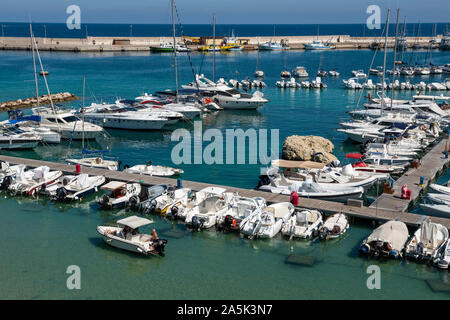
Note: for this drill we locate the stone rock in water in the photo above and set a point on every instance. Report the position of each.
(303, 148)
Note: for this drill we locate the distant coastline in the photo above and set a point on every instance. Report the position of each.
(59, 30)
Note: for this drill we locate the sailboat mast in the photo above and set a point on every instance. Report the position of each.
(82, 108)
(34, 66)
(174, 48)
(395, 57)
(384, 60)
(214, 48)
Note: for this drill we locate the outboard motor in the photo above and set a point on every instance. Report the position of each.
(7, 181)
(379, 249)
(263, 180)
(174, 211)
(197, 223)
(61, 193)
(227, 222)
(419, 253)
(323, 235)
(133, 203)
(103, 202)
(159, 246)
(149, 163)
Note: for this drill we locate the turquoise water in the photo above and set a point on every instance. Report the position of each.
(42, 239)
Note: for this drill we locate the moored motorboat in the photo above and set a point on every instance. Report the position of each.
(119, 194)
(154, 170)
(72, 188)
(442, 260)
(388, 240)
(126, 236)
(30, 182)
(272, 219)
(426, 241)
(334, 226)
(304, 224)
(239, 208)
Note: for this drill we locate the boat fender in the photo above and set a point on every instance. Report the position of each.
(394, 254)
(364, 249)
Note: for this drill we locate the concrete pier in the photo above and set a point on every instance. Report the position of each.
(112, 44)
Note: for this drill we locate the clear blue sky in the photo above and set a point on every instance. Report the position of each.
(227, 11)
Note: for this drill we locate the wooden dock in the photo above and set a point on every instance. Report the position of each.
(431, 164)
(327, 207)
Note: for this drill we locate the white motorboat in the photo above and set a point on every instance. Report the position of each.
(440, 189)
(94, 159)
(225, 96)
(387, 159)
(8, 174)
(333, 73)
(388, 240)
(119, 194)
(205, 214)
(304, 224)
(438, 198)
(72, 188)
(259, 74)
(126, 236)
(111, 116)
(359, 74)
(270, 46)
(334, 226)
(437, 210)
(442, 260)
(173, 203)
(30, 182)
(427, 241)
(152, 109)
(300, 72)
(67, 124)
(239, 208)
(154, 170)
(187, 109)
(15, 138)
(23, 124)
(146, 200)
(272, 219)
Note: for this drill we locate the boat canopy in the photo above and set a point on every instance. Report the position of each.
(393, 232)
(354, 155)
(297, 164)
(134, 222)
(113, 185)
(85, 151)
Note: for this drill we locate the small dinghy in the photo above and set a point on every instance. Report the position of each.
(29, 182)
(442, 261)
(427, 241)
(304, 224)
(334, 226)
(119, 194)
(438, 198)
(126, 236)
(205, 214)
(239, 208)
(152, 170)
(70, 188)
(8, 174)
(388, 240)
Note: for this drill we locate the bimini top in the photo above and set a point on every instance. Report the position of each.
(134, 222)
(297, 164)
(113, 185)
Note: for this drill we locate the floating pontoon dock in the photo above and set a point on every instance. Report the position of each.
(386, 207)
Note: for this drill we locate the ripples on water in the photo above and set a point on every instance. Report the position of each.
(44, 238)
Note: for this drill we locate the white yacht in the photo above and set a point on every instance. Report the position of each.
(152, 109)
(187, 109)
(225, 96)
(15, 138)
(112, 116)
(154, 170)
(67, 124)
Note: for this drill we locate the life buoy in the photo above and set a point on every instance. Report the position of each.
(207, 100)
(234, 223)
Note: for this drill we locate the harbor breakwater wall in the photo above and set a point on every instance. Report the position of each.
(111, 44)
(32, 102)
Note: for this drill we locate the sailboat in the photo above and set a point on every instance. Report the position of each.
(95, 158)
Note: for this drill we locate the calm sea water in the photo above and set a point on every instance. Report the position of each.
(42, 239)
(59, 30)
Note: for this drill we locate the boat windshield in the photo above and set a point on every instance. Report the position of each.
(233, 91)
(69, 119)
